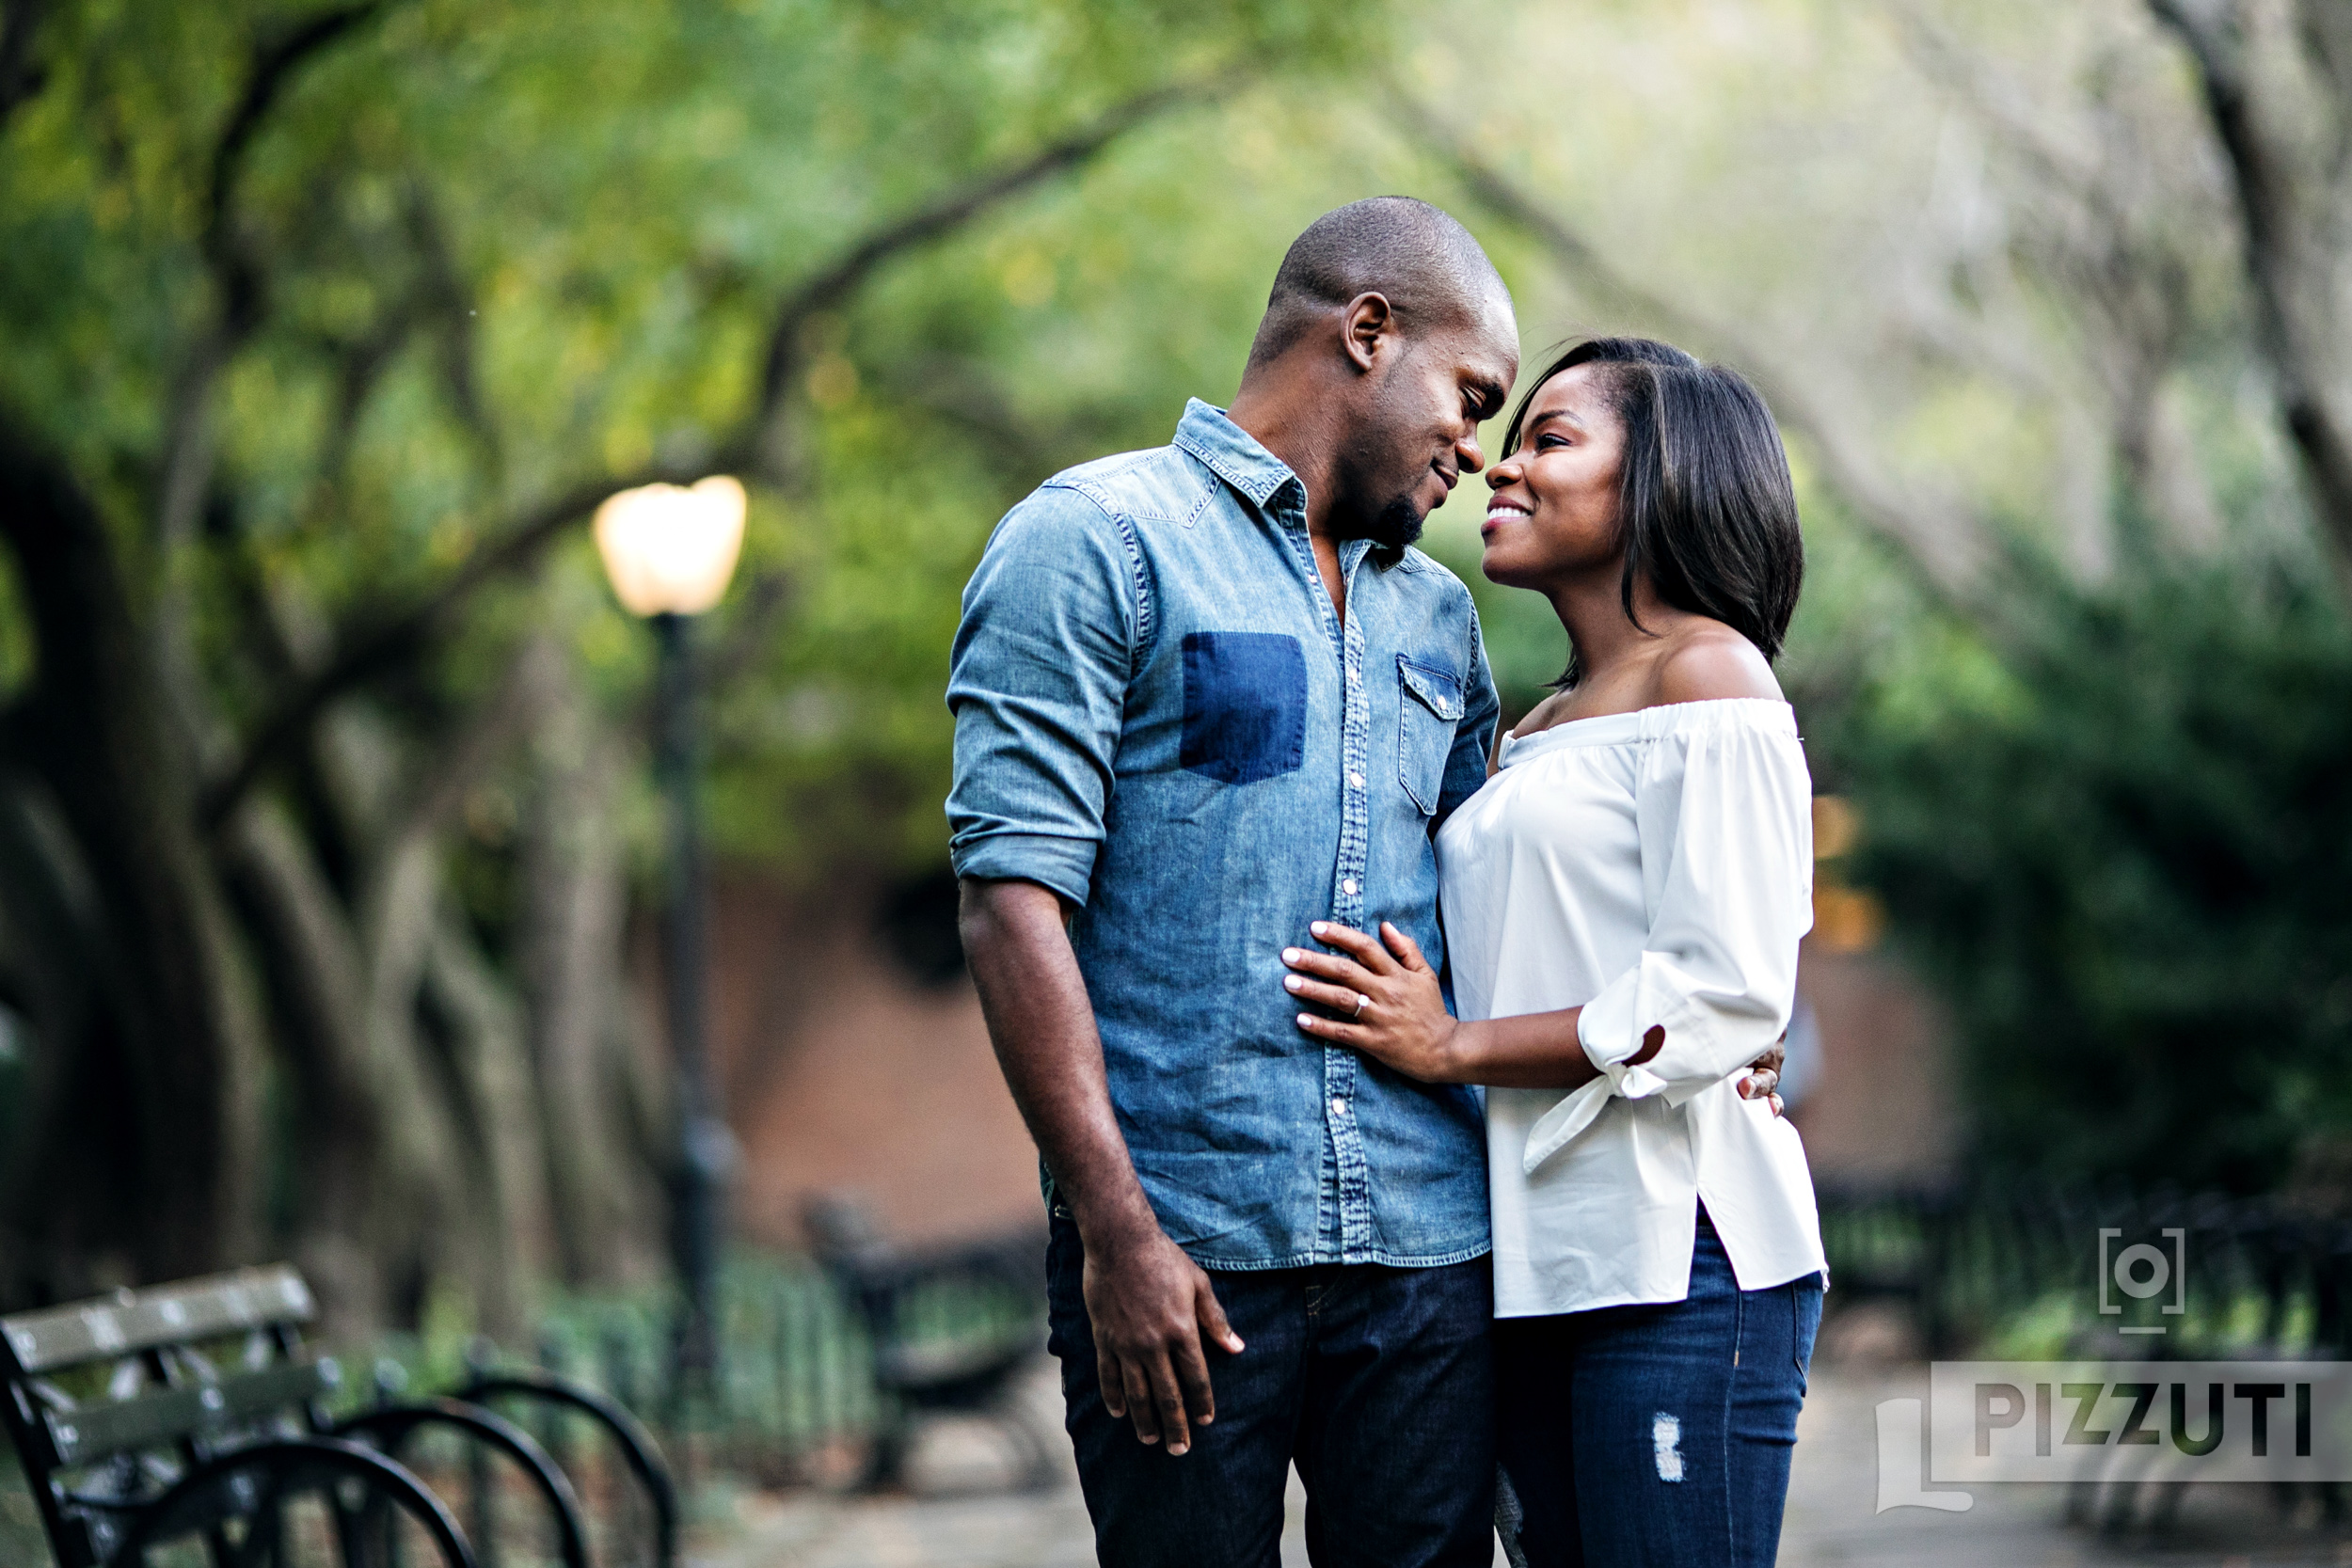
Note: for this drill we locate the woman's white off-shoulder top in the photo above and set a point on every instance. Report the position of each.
(1653, 868)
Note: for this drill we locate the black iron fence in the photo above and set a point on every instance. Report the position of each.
(2016, 1268)
(796, 1383)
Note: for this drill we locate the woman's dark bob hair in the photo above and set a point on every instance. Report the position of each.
(1704, 503)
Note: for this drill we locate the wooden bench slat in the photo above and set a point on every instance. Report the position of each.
(925, 1366)
(190, 1310)
(92, 1432)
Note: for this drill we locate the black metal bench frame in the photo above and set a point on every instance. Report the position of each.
(178, 1446)
(875, 1282)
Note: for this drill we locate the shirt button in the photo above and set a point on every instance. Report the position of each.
(1338, 1107)
(1348, 887)
(1356, 779)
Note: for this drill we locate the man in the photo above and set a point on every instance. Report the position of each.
(1204, 696)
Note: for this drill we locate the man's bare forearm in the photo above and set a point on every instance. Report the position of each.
(1042, 1026)
(1152, 1309)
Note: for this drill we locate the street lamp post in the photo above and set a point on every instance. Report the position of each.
(669, 552)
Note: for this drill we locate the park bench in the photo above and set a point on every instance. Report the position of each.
(194, 1413)
(925, 1362)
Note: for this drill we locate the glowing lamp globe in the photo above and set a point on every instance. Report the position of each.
(668, 548)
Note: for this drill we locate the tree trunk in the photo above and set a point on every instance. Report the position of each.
(50, 937)
(317, 987)
(507, 1249)
(174, 1046)
(575, 908)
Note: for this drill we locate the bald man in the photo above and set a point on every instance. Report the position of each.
(1205, 695)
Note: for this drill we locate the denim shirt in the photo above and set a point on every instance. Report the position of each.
(1160, 717)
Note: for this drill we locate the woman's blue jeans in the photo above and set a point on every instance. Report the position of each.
(1653, 1435)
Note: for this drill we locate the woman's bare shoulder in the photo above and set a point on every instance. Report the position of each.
(1711, 661)
(1550, 711)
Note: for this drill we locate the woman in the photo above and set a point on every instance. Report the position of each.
(1622, 903)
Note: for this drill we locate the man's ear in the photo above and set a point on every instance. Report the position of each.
(1368, 321)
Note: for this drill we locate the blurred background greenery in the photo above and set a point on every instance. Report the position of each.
(323, 813)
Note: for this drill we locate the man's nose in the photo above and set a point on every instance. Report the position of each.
(1467, 455)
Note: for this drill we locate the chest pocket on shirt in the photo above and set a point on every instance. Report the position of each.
(1429, 705)
(1245, 704)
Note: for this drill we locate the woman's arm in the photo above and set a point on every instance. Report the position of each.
(1401, 1021)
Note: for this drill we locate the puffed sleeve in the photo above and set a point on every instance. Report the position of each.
(1036, 682)
(1724, 809)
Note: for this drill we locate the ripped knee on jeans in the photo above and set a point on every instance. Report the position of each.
(1665, 1436)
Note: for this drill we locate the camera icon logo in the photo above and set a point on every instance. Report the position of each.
(2144, 1270)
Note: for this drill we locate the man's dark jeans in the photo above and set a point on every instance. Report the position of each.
(1378, 1382)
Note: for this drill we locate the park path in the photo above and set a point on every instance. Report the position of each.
(952, 1521)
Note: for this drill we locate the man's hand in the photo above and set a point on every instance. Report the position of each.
(1763, 1076)
(1153, 1312)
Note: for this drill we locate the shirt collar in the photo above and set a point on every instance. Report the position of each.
(1234, 453)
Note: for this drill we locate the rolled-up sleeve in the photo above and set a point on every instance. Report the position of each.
(1724, 812)
(1036, 683)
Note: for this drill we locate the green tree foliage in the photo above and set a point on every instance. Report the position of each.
(2116, 840)
(327, 325)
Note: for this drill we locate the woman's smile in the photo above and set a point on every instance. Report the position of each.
(1501, 510)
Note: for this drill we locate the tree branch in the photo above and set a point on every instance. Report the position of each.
(1943, 544)
(236, 276)
(829, 288)
(275, 64)
(189, 437)
(449, 303)
(2110, 215)
(360, 364)
(2289, 229)
(384, 643)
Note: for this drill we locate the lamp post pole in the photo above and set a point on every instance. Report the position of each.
(706, 1148)
(668, 552)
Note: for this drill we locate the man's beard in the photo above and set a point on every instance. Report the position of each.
(1393, 527)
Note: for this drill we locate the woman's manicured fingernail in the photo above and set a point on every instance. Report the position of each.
(1305, 1018)
(1290, 955)
(1318, 928)
(1294, 982)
